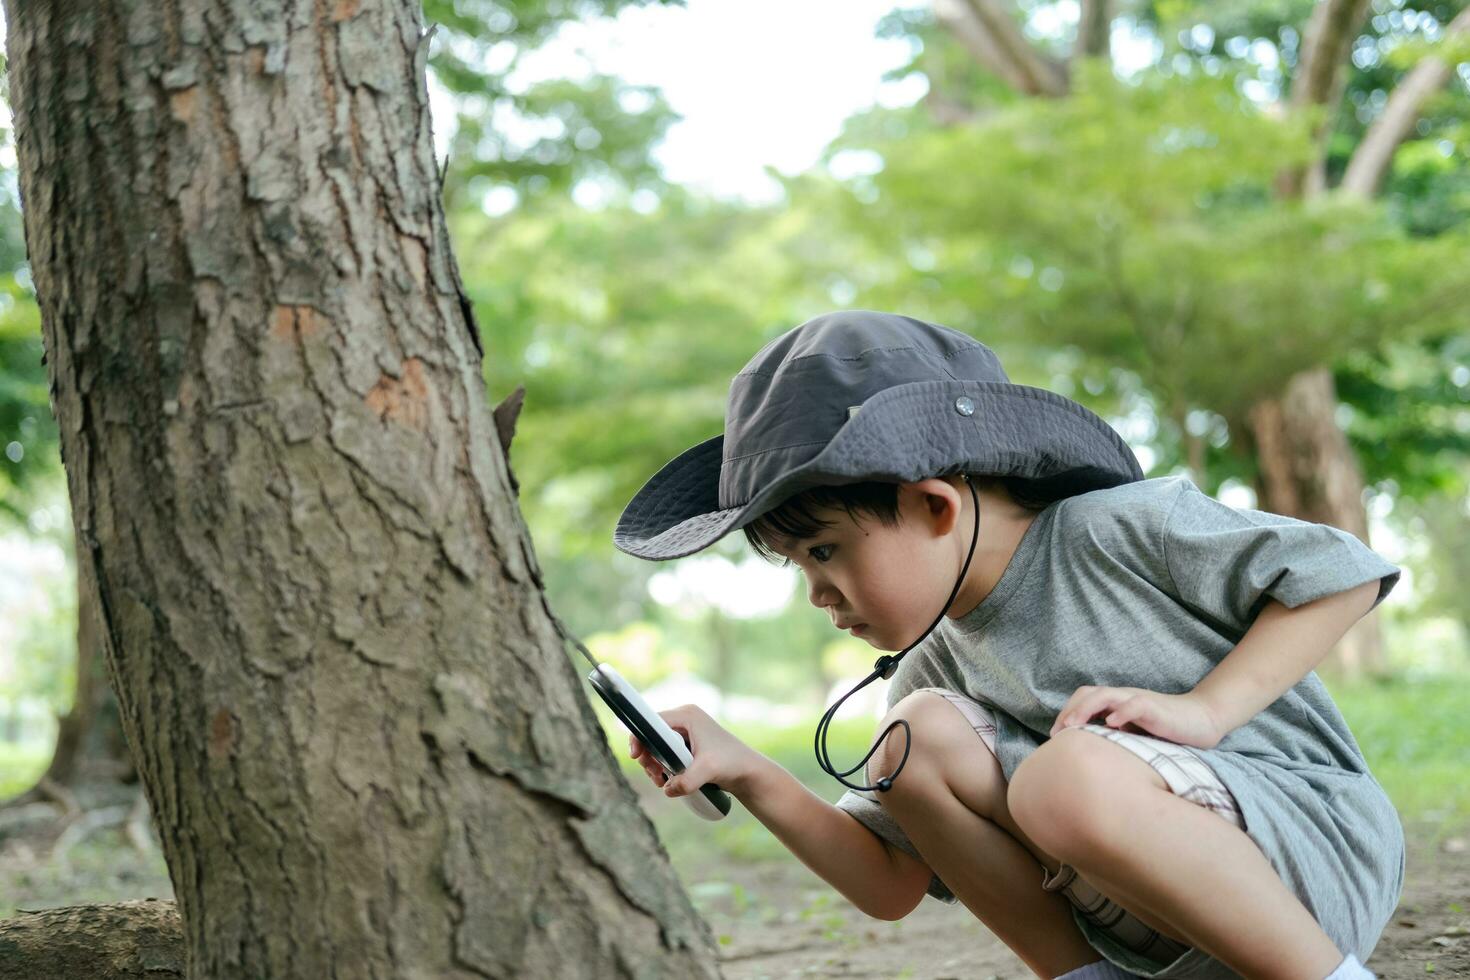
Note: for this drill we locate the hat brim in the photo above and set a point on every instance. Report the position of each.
(902, 434)
(677, 512)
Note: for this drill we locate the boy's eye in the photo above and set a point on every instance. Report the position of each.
(820, 547)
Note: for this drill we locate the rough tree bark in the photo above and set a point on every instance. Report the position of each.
(364, 747)
(127, 941)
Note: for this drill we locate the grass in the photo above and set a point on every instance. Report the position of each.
(20, 767)
(740, 837)
(1415, 736)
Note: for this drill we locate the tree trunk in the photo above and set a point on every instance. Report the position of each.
(365, 751)
(1308, 471)
(90, 745)
(128, 941)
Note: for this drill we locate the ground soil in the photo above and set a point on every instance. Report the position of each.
(776, 919)
(773, 918)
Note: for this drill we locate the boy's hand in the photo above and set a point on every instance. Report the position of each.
(719, 757)
(1182, 718)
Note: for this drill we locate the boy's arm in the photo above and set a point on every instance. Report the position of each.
(1278, 650)
(879, 879)
(1281, 646)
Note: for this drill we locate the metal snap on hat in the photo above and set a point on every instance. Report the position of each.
(854, 396)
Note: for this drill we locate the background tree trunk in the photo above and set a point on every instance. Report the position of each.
(91, 773)
(91, 755)
(1307, 470)
(365, 749)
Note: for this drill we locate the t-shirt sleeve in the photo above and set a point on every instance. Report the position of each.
(863, 805)
(1226, 562)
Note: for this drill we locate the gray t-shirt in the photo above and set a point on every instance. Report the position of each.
(1150, 584)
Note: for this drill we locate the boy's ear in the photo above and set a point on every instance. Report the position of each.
(936, 493)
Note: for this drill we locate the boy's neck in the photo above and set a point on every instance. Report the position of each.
(1002, 525)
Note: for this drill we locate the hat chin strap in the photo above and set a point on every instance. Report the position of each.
(884, 667)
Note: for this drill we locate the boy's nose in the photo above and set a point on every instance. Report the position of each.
(822, 597)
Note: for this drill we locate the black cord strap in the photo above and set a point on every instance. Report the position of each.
(884, 667)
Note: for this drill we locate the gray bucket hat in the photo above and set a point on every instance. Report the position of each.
(854, 396)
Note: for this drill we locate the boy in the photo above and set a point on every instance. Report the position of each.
(1116, 698)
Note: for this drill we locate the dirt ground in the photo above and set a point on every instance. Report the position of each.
(776, 919)
(773, 918)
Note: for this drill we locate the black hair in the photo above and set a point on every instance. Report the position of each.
(795, 518)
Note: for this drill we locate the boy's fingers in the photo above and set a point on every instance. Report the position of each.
(679, 785)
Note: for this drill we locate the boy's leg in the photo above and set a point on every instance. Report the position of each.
(996, 877)
(1107, 813)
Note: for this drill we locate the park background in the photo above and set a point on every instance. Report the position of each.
(640, 195)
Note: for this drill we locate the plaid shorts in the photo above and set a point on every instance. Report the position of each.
(1187, 775)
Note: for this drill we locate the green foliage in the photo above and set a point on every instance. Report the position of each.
(1135, 223)
(1407, 412)
(1437, 528)
(38, 666)
(539, 139)
(1428, 190)
(626, 328)
(641, 654)
(46, 651)
(693, 842)
(956, 81)
(29, 453)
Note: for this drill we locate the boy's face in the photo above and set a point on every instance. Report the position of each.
(891, 579)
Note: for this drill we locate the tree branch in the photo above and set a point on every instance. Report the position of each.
(990, 33)
(1371, 160)
(1318, 82)
(957, 18)
(1092, 29)
(1328, 39)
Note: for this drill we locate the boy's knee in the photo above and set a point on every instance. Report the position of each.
(921, 710)
(1058, 795)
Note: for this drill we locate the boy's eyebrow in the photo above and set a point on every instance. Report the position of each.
(785, 543)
